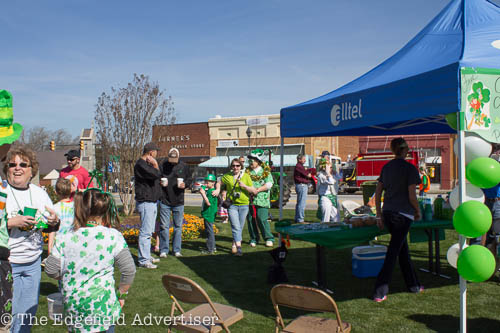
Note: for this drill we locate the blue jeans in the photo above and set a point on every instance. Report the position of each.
(26, 291)
(300, 207)
(209, 229)
(147, 212)
(237, 217)
(165, 212)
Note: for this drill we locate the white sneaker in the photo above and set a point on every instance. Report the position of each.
(177, 254)
(148, 264)
(155, 260)
(252, 244)
(269, 244)
(163, 255)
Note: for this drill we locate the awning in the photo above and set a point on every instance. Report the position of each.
(218, 162)
(223, 161)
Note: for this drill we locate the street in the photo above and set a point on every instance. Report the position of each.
(194, 199)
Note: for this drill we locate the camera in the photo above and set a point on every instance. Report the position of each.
(236, 195)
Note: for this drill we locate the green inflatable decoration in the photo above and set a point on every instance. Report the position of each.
(451, 119)
(476, 263)
(484, 172)
(472, 219)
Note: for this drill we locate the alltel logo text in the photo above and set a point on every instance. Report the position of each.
(345, 111)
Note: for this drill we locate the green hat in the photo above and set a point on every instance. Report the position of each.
(9, 131)
(211, 177)
(323, 162)
(257, 154)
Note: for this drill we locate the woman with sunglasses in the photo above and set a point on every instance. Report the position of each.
(25, 240)
(239, 197)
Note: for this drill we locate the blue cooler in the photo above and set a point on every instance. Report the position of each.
(367, 261)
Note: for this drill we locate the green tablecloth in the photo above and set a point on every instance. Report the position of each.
(339, 237)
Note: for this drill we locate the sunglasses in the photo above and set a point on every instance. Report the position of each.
(22, 165)
(71, 159)
(235, 166)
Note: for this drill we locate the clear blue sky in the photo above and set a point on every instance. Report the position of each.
(213, 56)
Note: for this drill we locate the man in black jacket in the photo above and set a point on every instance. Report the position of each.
(172, 201)
(147, 192)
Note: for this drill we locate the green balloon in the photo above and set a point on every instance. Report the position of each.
(472, 219)
(484, 172)
(451, 119)
(476, 263)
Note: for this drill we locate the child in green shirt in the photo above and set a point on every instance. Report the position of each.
(208, 212)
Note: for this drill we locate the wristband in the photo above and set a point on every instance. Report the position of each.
(121, 295)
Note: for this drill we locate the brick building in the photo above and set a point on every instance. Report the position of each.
(191, 139)
(238, 135)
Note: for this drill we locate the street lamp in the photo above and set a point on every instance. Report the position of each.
(249, 133)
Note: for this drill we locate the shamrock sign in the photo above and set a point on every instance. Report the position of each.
(477, 99)
(479, 103)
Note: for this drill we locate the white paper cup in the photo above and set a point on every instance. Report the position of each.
(164, 182)
(180, 181)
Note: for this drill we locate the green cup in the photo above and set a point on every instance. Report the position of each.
(28, 211)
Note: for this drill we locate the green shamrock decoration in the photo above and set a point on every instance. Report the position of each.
(477, 99)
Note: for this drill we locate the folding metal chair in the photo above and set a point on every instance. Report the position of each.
(217, 316)
(309, 299)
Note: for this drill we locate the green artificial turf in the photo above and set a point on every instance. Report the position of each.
(242, 282)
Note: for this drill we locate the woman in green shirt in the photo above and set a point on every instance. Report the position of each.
(239, 197)
(262, 181)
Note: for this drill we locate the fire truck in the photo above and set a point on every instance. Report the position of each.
(367, 167)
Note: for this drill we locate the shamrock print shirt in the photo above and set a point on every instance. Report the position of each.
(87, 266)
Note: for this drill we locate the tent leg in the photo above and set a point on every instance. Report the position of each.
(281, 176)
(462, 239)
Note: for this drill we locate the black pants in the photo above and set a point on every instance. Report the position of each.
(398, 227)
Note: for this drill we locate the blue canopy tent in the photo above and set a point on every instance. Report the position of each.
(412, 91)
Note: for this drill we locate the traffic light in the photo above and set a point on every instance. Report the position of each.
(52, 145)
(82, 145)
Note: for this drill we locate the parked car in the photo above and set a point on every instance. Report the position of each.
(196, 184)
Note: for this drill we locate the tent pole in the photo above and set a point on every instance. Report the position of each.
(281, 177)
(462, 239)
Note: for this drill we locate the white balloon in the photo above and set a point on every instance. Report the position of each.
(472, 192)
(475, 147)
(452, 254)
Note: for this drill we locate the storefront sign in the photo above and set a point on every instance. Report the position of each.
(260, 121)
(228, 143)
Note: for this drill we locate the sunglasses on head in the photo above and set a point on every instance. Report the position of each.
(22, 165)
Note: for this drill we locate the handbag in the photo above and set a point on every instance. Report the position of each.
(228, 202)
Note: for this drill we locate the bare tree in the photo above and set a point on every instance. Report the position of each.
(124, 120)
(37, 138)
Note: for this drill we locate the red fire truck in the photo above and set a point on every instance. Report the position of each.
(367, 167)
